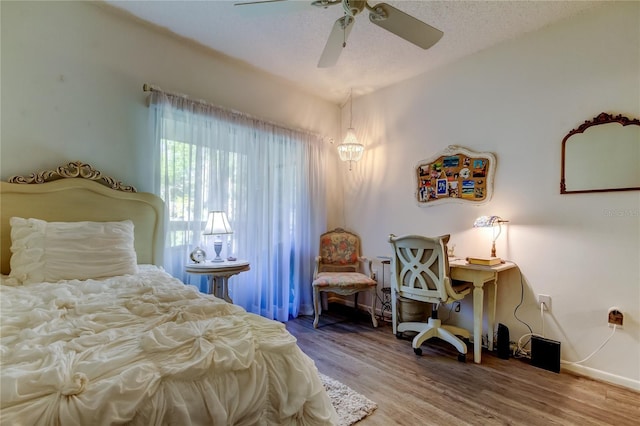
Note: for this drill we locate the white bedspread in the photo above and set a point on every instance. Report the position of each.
(148, 350)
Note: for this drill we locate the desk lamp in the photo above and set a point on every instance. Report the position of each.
(491, 222)
(217, 224)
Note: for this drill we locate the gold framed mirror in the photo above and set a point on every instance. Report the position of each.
(601, 155)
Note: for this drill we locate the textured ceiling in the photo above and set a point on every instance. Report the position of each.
(287, 38)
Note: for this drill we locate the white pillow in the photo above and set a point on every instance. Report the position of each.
(53, 251)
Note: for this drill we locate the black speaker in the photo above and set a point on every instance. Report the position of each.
(545, 353)
(503, 341)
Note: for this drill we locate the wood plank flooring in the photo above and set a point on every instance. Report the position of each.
(436, 389)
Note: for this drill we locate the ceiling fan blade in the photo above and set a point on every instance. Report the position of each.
(265, 7)
(336, 42)
(244, 3)
(403, 25)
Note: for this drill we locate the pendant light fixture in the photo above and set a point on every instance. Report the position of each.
(350, 149)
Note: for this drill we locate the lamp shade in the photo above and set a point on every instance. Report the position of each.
(487, 221)
(490, 222)
(217, 224)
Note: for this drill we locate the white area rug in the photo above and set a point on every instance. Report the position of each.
(349, 404)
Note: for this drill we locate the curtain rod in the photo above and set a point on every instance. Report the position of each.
(153, 88)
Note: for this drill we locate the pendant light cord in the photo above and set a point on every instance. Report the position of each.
(351, 108)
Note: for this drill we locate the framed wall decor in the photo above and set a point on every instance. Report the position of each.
(455, 174)
(601, 155)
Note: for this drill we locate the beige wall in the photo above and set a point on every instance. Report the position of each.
(519, 100)
(72, 76)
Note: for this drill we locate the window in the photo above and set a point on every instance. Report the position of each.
(269, 181)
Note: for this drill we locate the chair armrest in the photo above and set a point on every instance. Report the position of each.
(368, 271)
(317, 267)
(456, 290)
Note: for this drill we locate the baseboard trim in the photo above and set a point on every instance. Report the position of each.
(600, 375)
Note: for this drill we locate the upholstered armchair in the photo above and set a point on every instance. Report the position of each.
(342, 270)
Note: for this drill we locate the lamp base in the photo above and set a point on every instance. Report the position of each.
(217, 246)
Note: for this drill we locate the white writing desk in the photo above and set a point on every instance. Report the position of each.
(480, 275)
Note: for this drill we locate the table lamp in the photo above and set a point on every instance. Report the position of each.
(491, 222)
(217, 225)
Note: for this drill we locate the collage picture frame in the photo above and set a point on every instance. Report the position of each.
(455, 174)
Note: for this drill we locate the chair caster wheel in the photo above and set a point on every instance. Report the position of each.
(462, 357)
(399, 335)
(417, 351)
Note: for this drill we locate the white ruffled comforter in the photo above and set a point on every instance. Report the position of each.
(147, 350)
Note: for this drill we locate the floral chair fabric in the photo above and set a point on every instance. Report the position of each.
(339, 269)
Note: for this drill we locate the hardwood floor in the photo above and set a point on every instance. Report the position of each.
(437, 389)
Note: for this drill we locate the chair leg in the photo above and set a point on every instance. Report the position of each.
(447, 336)
(324, 302)
(458, 331)
(429, 330)
(433, 329)
(394, 313)
(372, 309)
(316, 306)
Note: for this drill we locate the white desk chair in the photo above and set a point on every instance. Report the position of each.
(420, 271)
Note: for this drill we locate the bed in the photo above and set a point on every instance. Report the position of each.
(94, 333)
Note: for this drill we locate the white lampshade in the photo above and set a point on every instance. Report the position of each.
(350, 150)
(217, 224)
(490, 222)
(487, 221)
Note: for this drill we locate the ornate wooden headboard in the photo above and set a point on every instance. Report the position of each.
(77, 192)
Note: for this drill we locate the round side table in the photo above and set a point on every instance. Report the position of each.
(219, 273)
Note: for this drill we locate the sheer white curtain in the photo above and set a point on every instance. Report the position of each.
(269, 181)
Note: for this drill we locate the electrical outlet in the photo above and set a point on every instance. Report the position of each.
(546, 299)
(375, 275)
(615, 317)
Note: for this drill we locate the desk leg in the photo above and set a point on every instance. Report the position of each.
(478, 300)
(491, 314)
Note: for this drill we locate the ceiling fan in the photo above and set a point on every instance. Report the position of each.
(383, 15)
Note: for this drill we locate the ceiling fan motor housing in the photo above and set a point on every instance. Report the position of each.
(325, 3)
(353, 7)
